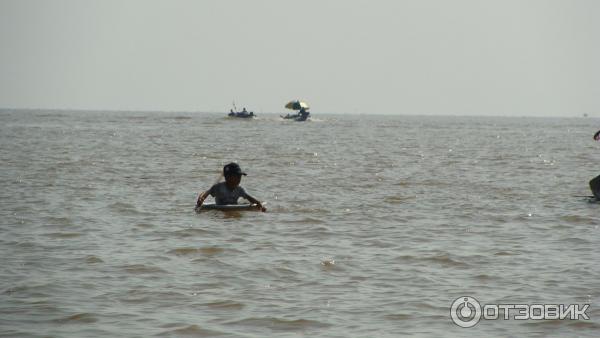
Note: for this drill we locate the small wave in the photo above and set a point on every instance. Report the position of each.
(191, 232)
(225, 305)
(77, 318)
(583, 324)
(445, 260)
(306, 220)
(123, 208)
(26, 245)
(135, 300)
(15, 289)
(34, 291)
(136, 118)
(578, 324)
(433, 183)
(91, 259)
(64, 235)
(399, 316)
(50, 115)
(208, 286)
(144, 225)
(142, 269)
(313, 211)
(576, 219)
(191, 331)
(483, 277)
(504, 253)
(278, 324)
(422, 305)
(138, 296)
(285, 272)
(194, 251)
(59, 221)
(441, 259)
(573, 240)
(398, 199)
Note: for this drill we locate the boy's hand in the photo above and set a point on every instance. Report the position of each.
(199, 202)
(262, 208)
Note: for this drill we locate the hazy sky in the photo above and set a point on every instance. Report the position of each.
(504, 57)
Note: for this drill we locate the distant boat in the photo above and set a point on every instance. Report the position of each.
(296, 117)
(301, 115)
(241, 114)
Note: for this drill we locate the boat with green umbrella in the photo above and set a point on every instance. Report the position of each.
(300, 106)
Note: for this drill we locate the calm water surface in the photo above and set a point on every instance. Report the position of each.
(375, 225)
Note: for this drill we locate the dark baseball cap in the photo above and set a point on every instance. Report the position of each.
(233, 169)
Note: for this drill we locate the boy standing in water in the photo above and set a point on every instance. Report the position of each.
(230, 191)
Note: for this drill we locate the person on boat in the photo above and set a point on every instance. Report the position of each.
(303, 114)
(230, 191)
(595, 187)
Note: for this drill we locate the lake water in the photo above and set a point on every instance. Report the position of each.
(375, 225)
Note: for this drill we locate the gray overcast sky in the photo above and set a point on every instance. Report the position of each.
(504, 57)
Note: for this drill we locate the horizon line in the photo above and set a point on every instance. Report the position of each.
(91, 110)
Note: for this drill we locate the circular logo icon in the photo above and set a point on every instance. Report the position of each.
(465, 311)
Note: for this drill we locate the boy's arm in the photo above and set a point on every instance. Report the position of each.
(257, 202)
(201, 198)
